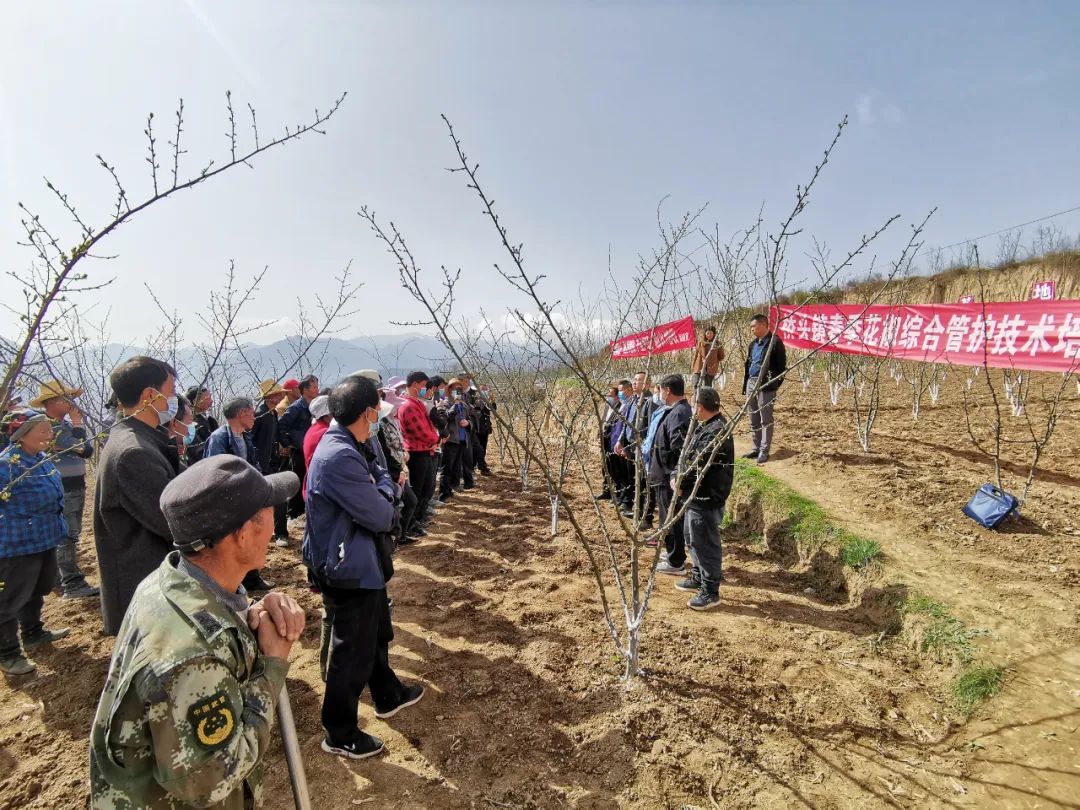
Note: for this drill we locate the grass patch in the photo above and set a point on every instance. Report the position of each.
(921, 603)
(858, 551)
(809, 524)
(945, 636)
(975, 685)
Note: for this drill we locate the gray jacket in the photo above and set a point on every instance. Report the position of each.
(130, 531)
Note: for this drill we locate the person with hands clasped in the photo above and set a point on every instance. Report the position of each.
(186, 715)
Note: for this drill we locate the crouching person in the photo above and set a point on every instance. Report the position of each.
(709, 462)
(188, 705)
(351, 520)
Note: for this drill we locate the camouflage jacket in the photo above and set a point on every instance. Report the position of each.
(188, 704)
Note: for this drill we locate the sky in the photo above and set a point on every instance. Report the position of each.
(583, 117)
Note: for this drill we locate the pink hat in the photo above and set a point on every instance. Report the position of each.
(393, 399)
(394, 383)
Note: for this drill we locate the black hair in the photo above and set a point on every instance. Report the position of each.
(642, 372)
(436, 381)
(194, 393)
(709, 399)
(235, 405)
(351, 399)
(625, 384)
(415, 377)
(135, 375)
(759, 318)
(325, 392)
(183, 406)
(307, 382)
(674, 383)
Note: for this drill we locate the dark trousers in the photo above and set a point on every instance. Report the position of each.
(620, 472)
(360, 635)
(67, 553)
(467, 464)
(297, 465)
(422, 480)
(480, 452)
(408, 510)
(25, 579)
(453, 457)
(674, 539)
(706, 549)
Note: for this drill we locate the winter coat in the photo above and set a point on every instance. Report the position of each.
(130, 531)
(293, 424)
(350, 499)
(220, 443)
(777, 363)
(717, 475)
(31, 508)
(668, 443)
(265, 438)
(708, 354)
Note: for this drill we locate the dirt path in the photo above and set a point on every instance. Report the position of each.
(778, 699)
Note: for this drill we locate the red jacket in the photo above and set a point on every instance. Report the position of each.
(311, 441)
(419, 435)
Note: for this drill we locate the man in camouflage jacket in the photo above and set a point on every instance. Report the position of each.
(188, 705)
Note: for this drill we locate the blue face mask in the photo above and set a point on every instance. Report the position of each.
(622, 396)
(191, 433)
(171, 409)
(423, 393)
(375, 429)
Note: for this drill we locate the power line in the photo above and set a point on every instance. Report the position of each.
(1003, 230)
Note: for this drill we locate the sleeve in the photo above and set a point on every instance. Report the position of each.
(140, 481)
(209, 731)
(214, 445)
(284, 426)
(676, 437)
(348, 484)
(746, 370)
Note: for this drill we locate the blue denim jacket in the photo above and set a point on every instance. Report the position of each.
(32, 509)
(349, 500)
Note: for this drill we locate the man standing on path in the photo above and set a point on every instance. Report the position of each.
(638, 415)
(130, 531)
(187, 713)
(271, 459)
(663, 462)
(292, 426)
(71, 450)
(350, 522)
(421, 441)
(709, 462)
(762, 376)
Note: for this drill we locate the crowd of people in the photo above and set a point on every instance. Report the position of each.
(185, 507)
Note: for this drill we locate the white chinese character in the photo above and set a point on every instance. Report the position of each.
(889, 330)
(932, 334)
(1008, 332)
(1069, 337)
(956, 331)
(1037, 341)
(911, 331)
(981, 331)
(835, 326)
(871, 330)
(817, 329)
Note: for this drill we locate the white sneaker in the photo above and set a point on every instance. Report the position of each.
(281, 542)
(667, 568)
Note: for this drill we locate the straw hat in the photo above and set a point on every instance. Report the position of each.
(267, 388)
(53, 389)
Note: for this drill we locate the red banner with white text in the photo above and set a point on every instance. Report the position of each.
(667, 337)
(1035, 335)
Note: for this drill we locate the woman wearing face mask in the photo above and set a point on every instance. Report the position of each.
(130, 531)
(31, 527)
(182, 430)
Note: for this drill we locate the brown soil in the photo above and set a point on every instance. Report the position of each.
(778, 699)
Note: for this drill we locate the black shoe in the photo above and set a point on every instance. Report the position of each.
(255, 582)
(469, 486)
(44, 636)
(408, 540)
(604, 496)
(751, 454)
(445, 498)
(409, 696)
(485, 471)
(361, 748)
(419, 531)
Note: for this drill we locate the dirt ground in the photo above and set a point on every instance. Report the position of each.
(777, 699)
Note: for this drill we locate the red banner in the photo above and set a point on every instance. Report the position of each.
(667, 337)
(1036, 335)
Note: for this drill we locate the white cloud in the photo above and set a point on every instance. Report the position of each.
(870, 108)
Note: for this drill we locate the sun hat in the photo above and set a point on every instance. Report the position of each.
(53, 389)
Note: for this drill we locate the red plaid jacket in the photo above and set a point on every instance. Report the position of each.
(416, 429)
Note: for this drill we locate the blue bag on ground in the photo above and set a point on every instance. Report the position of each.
(990, 505)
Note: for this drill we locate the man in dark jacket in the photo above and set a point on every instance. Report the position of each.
(234, 437)
(130, 531)
(350, 513)
(485, 406)
(292, 427)
(635, 427)
(762, 376)
(709, 463)
(663, 461)
(271, 459)
(201, 402)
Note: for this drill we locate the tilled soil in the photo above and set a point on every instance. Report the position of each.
(779, 698)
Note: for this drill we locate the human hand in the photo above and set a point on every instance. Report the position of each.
(618, 449)
(463, 423)
(76, 416)
(281, 613)
(402, 479)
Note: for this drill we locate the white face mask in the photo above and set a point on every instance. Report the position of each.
(171, 409)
